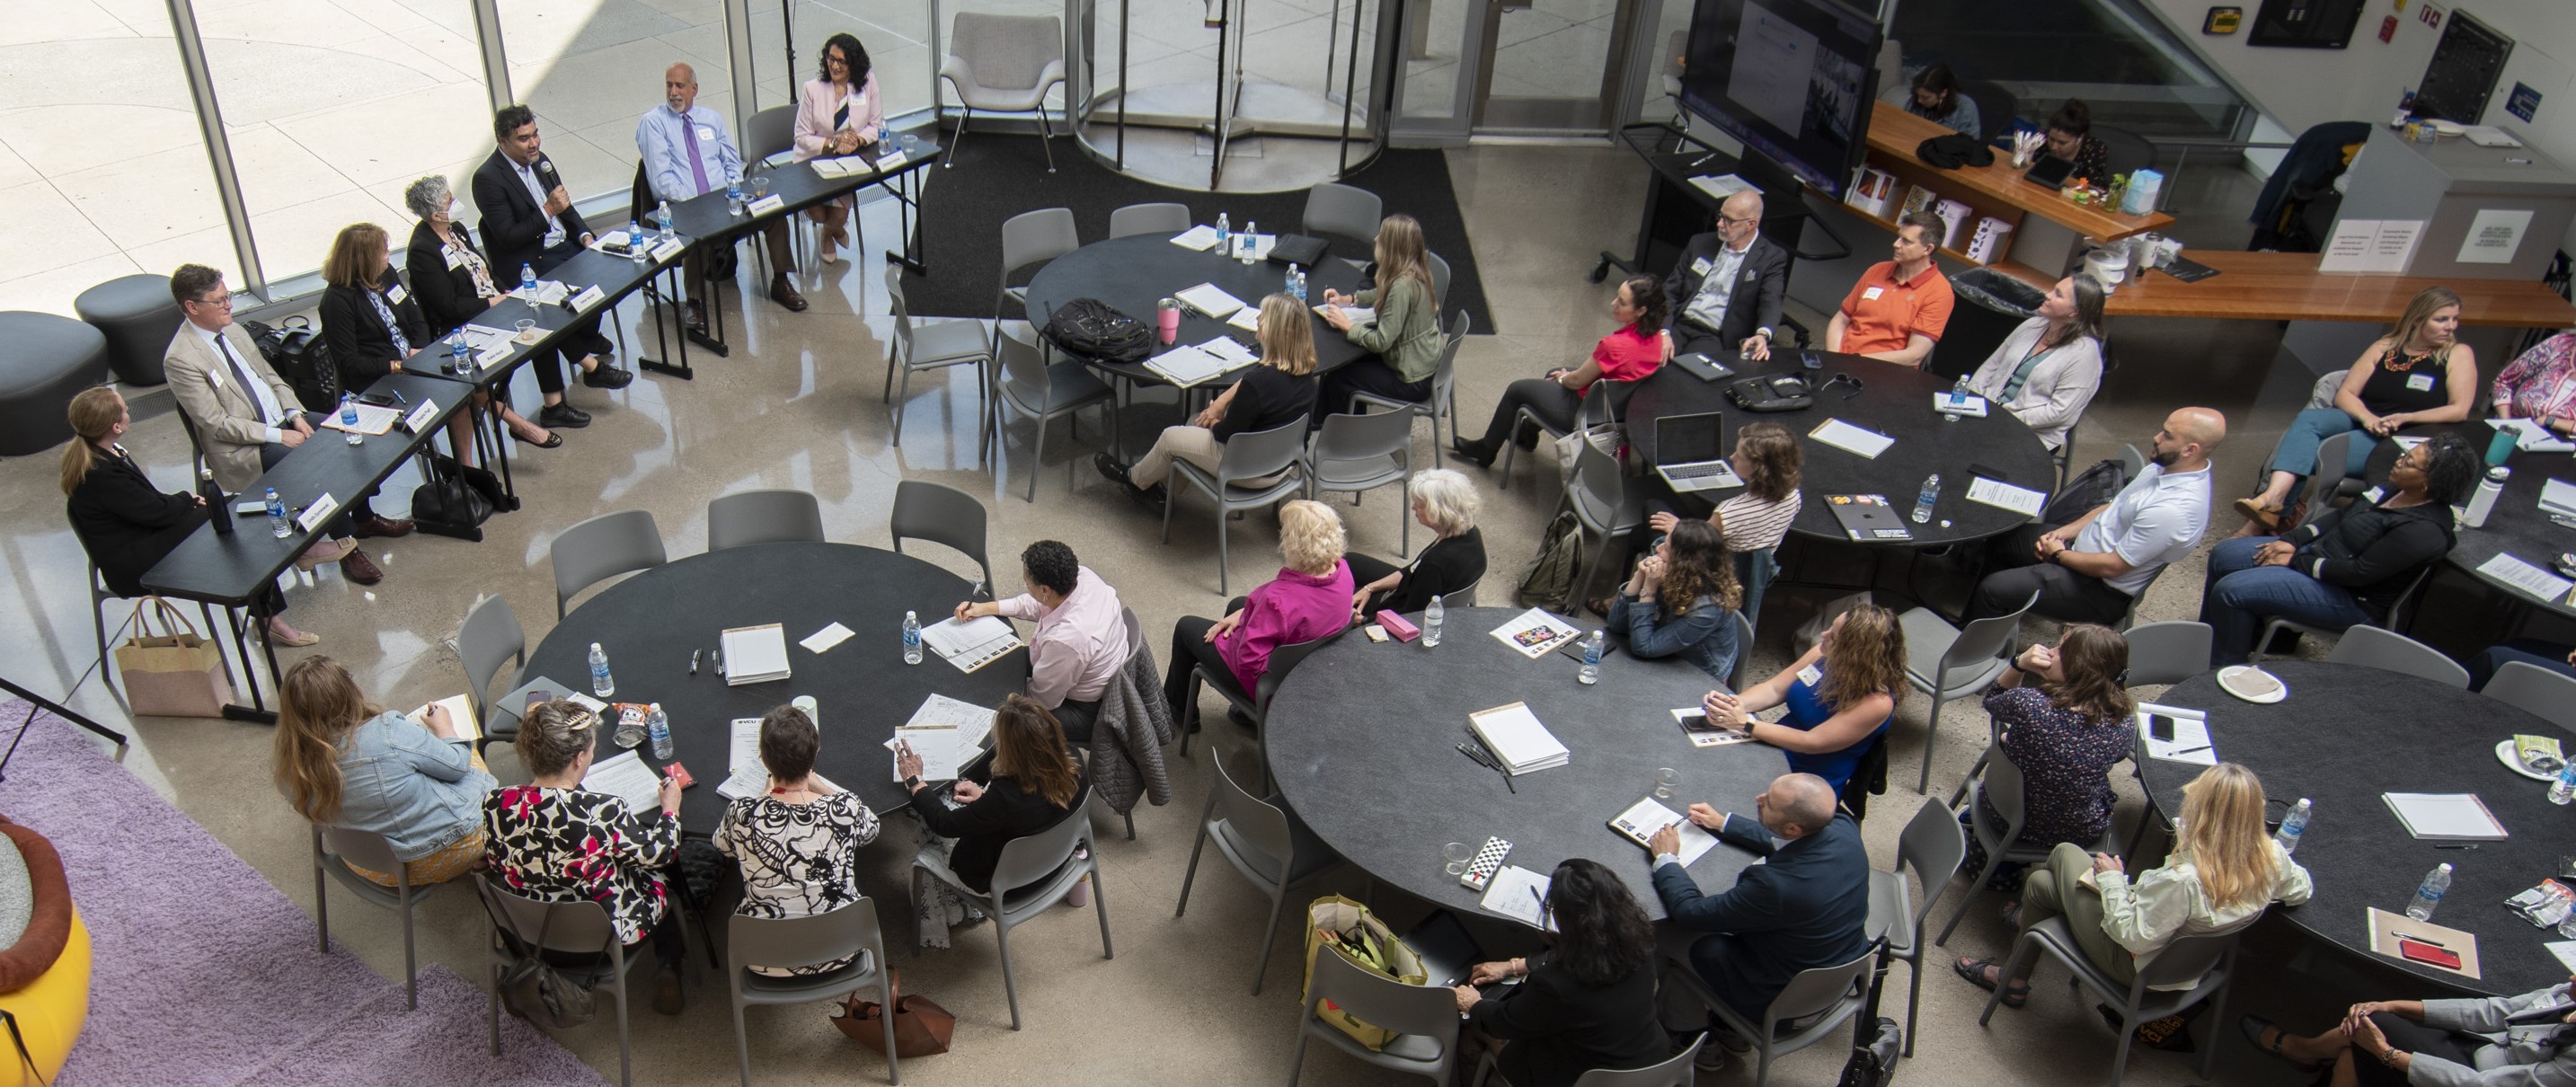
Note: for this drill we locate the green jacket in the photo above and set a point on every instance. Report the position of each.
(1406, 332)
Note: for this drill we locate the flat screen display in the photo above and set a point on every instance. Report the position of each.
(1792, 80)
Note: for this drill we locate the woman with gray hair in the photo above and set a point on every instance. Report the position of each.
(1446, 503)
(454, 283)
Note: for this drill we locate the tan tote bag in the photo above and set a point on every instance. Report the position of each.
(173, 673)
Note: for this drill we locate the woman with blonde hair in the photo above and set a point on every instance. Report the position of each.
(345, 762)
(1403, 333)
(1274, 394)
(1681, 602)
(2224, 871)
(1841, 696)
(1453, 562)
(1032, 783)
(1310, 598)
(2419, 373)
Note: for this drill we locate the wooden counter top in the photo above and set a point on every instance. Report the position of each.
(2288, 287)
(1894, 134)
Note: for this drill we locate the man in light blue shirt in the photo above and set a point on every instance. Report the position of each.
(688, 152)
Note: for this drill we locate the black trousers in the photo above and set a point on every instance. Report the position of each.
(583, 337)
(1077, 718)
(1365, 569)
(359, 508)
(2013, 572)
(1553, 405)
(1191, 647)
(1369, 375)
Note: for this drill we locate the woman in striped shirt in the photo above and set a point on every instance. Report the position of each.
(1752, 522)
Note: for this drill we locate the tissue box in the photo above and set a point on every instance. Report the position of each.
(1396, 625)
(2140, 199)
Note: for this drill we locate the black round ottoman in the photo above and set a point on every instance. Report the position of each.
(139, 317)
(49, 360)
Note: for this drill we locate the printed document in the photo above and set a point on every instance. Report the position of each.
(1997, 493)
(627, 778)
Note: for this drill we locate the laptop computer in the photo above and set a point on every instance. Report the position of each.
(1868, 518)
(1690, 453)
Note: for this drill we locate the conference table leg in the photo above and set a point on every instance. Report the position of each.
(257, 712)
(907, 205)
(662, 342)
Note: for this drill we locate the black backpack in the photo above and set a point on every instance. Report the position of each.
(1089, 328)
(297, 353)
(2095, 486)
(1873, 1058)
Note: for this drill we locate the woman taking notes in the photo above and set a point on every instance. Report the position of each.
(345, 762)
(1681, 602)
(1586, 1002)
(1630, 352)
(1032, 783)
(1404, 332)
(1840, 696)
(797, 842)
(1279, 391)
(836, 114)
(2418, 373)
(2048, 369)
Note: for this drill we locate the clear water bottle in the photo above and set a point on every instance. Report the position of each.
(602, 685)
(1301, 284)
(1959, 394)
(1224, 235)
(657, 727)
(2292, 826)
(1288, 284)
(911, 638)
(1591, 672)
(1923, 502)
(2563, 790)
(1251, 239)
(349, 418)
(459, 355)
(1431, 622)
(277, 525)
(662, 215)
(2436, 883)
(733, 198)
(634, 239)
(527, 281)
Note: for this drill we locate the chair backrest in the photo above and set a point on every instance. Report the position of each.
(1427, 1010)
(769, 132)
(1149, 219)
(2189, 956)
(490, 637)
(363, 848)
(1258, 453)
(1364, 437)
(1030, 858)
(1675, 1071)
(1445, 377)
(2535, 690)
(601, 548)
(2002, 785)
(1024, 371)
(1439, 278)
(2132, 463)
(812, 940)
(2376, 648)
(639, 198)
(1033, 237)
(1260, 823)
(1743, 650)
(2330, 473)
(2125, 152)
(580, 925)
(772, 515)
(2168, 652)
(1934, 846)
(1283, 660)
(1343, 210)
(942, 515)
(902, 309)
(1463, 598)
(1595, 487)
(1006, 52)
(2413, 594)
(1819, 989)
(1983, 639)
(1606, 403)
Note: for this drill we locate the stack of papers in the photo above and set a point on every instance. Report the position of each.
(2002, 495)
(1247, 319)
(1720, 186)
(371, 420)
(755, 654)
(626, 778)
(843, 166)
(2445, 817)
(946, 733)
(2531, 437)
(1210, 299)
(1519, 894)
(1516, 737)
(971, 644)
(2190, 728)
(1187, 366)
(1201, 237)
(1844, 436)
(1640, 822)
(748, 775)
(2531, 579)
(2558, 498)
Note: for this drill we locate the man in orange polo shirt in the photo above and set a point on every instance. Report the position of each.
(1900, 306)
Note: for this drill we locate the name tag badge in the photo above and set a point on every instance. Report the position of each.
(214, 379)
(1871, 295)
(455, 260)
(397, 294)
(2373, 495)
(706, 132)
(1701, 266)
(1811, 675)
(2419, 382)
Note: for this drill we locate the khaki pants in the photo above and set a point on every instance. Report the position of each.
(2054, 889)
(1197, 445)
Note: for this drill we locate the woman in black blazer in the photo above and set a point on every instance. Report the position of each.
(373, 325)
(1031, 783)
(1587, 1002)
(121, 520)
(1445, 503)
(451, 282)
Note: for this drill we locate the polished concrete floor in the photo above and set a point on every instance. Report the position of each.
(800, 405)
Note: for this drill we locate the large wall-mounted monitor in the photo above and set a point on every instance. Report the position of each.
(1792, 80)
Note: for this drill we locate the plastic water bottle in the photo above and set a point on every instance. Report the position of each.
(2292, 826)
(1301, 284)
(1959, 394)
(634, 240)
(1288, 284)
(602, 684)
(1923, 502)
(1431, 624)
(733, 198)
(2563, 790)
(2436, 883)
(911, 638)
(349, 418)
(458, 354)
(1224, 235)
(657, 726)
(527, 281)
(663, 215)
(277, 525)
(1251, 238)
(1591, 672)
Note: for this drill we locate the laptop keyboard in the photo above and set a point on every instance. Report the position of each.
(1699, 471)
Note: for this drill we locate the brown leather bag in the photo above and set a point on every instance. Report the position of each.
(921, 1027)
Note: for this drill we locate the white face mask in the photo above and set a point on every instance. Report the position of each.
(454, 208)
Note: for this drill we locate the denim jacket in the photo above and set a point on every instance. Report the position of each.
(400, 780)
(1704, 635)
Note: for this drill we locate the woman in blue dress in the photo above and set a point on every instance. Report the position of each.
(1840, 696)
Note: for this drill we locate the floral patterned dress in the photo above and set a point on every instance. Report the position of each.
(561, 845)
(797, 860)
(2065, 760)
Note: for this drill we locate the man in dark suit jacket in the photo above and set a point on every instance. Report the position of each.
(1804, 907)
(528, 219)
(1742, 306)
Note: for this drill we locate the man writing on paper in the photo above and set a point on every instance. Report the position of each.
(1729, 282)
(1081, 638)
(2092, 569)
(1898, 309)
(529, 222)
(688, 152)
(1805, 906)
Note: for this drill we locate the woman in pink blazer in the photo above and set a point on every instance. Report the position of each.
(832, 118)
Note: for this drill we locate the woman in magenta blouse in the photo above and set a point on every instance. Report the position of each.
(1310, 598)
(1629, 353)
(836, 115)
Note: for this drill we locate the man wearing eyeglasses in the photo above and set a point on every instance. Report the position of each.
(1898, 309)
(1729, 282)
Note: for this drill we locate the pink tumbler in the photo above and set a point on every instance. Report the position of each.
(1167, 320)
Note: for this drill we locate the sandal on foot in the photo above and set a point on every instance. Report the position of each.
(1974, 970)
(2253, 1027)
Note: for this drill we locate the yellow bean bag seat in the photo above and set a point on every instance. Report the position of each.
(44, 977)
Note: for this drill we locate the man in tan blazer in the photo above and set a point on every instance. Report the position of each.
(247, 417)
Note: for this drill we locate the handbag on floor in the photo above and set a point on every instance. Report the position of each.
(173, 673)
(1333, 923)
(921, 1027)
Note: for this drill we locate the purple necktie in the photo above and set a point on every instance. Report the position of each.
(696, 165)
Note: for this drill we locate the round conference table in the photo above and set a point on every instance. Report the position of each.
(651, 622)
(2516, 525)
(1135, 273)
(1362, 740)
(1893, 400)
(2335, 741)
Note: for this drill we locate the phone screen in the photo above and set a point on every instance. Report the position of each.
(2160, 727)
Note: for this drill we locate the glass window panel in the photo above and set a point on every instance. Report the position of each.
(895, 33)
(591, 68)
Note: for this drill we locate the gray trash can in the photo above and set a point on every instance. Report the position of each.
(1990, 304)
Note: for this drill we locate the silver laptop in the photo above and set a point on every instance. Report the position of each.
(1690, 453)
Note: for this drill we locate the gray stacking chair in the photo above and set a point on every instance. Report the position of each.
(334, 850)
(1033, 237)
(1250, 456)
(1353, 454)
(1256, 703)
(2380, 654)
(1164, 219)
(1946, 662)
(1933, 845)
(1610, 406)
(1048, 391)
(1034, 873)
(490, 638)
(2206, 963)
(601, 548)
(1444, 390)
(2535, 690)
(1743, 652)
(1334, 210)
(2132, 462)
(1424, 1017)
(929, 345)
(1603, 503)
(2002, 784)
(2376, 648)
(783, 942)
(1675, 1071)
(942, 515)
(1261, 840)
(768, 134)
(1004, 64)
(2326, 483)
(1830, 993)
(1439, 278)
(2168, 652)
(577, 928)
(772, 515)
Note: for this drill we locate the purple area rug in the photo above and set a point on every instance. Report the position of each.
(205, 974)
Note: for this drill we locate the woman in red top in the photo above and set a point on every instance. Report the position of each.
(1630, 353)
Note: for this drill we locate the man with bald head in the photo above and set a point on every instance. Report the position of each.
(2091, 569)
(1729, 281)
(687, 152)
(1805, 906)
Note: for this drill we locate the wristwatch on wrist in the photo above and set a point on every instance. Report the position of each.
(912, 783)
(1765, 333)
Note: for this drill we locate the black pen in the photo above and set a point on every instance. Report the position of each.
(2452, 847)
(2186, 751)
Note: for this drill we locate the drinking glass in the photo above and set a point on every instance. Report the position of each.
(1665, 779)
(527, 330)
(1457, 855)
(759, 186)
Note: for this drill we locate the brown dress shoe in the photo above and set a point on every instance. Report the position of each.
(380, 526)
(784, 293)
(357, 567)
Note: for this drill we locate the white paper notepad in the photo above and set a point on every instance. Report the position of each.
(2559, 497)
(1535, 633)
(1515, 736)
(460, 713)
(1642, 819)
(755, 654)
(745, 774)
(1247, 319)
(2445, 817)
(1517, 893)
(1210, 299)
(971, 644)
(2190, 741)
(1359, 315)
(626, 778)
(1201, 237)
(2531, 437)
(1972, 406)
(1188, 367)
(1844, 436)
(2002, 495)
(826, 638)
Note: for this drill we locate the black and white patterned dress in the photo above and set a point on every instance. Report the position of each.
(559, 845)
(797, 860)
